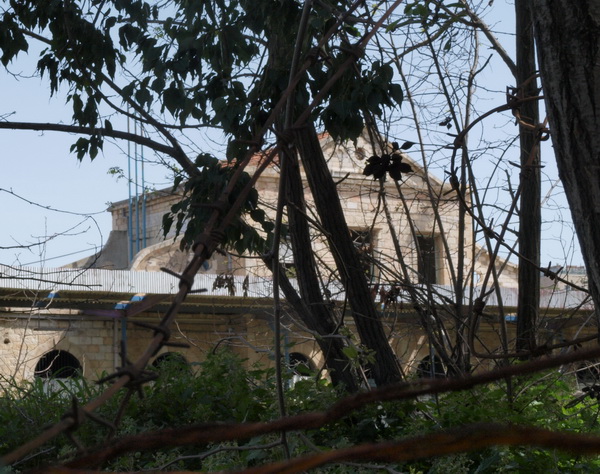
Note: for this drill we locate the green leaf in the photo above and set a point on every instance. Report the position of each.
(352, 31)
(81, 147)
(395, 91)
(142, 96)
(12, 40)
(167, 222)
(127, 91)
(257, 215)
(77, 104)
(268, 226)
(219, 104)
(392, 26)
(158, 84)
(173, 99)
(205, 159)
(421, 10)
(350, 352)
(110, 22)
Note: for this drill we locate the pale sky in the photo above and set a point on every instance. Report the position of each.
(38, 167)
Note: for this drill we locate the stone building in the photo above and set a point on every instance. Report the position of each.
(136, 246)
(81, 318)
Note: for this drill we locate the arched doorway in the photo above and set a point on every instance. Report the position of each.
(58, 364)
(173, 362)
(300, 364)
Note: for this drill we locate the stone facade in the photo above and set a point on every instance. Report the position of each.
(233, 312)
(430, 204)
(26, 338)
(94, 335)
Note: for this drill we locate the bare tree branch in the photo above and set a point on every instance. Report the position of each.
(76, 129)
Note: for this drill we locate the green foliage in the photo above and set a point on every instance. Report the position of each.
(430, 12)
(201, 197)
(356, 95)
(219, 389)
(12, 39)
(225, 389)
(214, 64)
(538, 401)
(25, 411)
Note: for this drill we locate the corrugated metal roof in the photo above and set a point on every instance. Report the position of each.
(122, 281)
(43, 281)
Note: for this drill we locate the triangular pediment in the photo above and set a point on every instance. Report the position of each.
(350, 158)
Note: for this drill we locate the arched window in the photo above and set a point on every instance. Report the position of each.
(300, 364)
(173, 360)
(428, 370)
(588, 374)
(58, 364)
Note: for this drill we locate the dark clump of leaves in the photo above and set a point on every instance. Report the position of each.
(447, 122)
(200, 199)
(378, 166)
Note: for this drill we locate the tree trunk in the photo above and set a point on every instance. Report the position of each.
(567, 34)
(530, 217)
(335, 360)
(319, 316)
(386, 368)
(310, 306)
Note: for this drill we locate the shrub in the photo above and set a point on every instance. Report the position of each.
(223, 389)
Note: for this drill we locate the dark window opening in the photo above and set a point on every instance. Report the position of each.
(58, 364)
(171, 360)
(363, 241)
(588, 374)
(361, 238)
(428, 370)
(300, 364)
(427, 260)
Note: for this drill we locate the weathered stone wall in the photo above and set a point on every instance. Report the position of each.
(96, 344)
(26, 339)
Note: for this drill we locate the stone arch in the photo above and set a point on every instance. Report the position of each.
(431, 367)
(164, 254)
(167, 254)
(39, 344)
(171, 357)
(58, 364)
(175, 361)
(300, 364)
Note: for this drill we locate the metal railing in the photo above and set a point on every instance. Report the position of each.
(125, 281)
